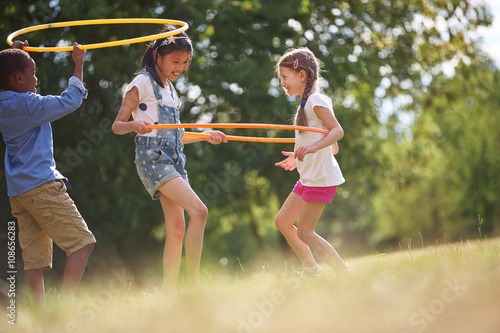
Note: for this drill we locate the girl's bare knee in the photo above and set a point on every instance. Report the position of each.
(279, 223)
(204, 211)
(305, 235)
(283, 224)
(199, 213)
(176, 231)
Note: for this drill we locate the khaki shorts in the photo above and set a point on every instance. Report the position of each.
(47, 213)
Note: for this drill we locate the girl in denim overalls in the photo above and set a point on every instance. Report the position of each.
(151, 99)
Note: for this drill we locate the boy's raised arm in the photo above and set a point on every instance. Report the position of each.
(79, 58)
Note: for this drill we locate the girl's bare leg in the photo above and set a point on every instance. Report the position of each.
(181, 193)
(310, 212)
(285, 221)
(174, 230)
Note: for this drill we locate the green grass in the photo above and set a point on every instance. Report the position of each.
(445, 288)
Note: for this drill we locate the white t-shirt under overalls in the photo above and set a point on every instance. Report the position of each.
(148, 105)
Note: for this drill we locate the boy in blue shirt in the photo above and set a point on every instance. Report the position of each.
(37, 191)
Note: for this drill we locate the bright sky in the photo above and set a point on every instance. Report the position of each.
(492, 34)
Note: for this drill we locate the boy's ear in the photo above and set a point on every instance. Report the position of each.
(18, 77)
(14, 80)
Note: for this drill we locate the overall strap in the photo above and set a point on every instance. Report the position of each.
(173, 92)
(156, 88)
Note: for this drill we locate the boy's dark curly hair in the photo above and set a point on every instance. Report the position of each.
(11, 62)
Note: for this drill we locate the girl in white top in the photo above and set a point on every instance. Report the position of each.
(151, 99)
(313, 157)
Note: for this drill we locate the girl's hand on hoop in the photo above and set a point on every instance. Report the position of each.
(141, 127)
(216, 137)
(289, 163)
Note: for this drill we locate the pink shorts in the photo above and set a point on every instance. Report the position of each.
(309, 193)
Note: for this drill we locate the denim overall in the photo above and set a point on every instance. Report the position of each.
(161, 158)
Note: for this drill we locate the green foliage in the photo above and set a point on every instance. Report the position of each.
(433, 174)
(449, 169)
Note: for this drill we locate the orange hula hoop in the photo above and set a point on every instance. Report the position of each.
(242, 125)
(242, 138)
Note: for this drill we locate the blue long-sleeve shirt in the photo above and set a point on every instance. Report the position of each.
(25, 125)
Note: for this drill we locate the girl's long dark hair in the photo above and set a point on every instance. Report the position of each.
(150, 58)
(297, 60)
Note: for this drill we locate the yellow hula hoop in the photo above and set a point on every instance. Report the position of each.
(242, 138)
(183, 27)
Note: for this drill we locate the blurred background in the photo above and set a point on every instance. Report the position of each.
(411, 82)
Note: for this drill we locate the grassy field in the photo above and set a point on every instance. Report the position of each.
(446, 288)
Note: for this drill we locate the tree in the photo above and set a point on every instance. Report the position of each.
(452, 167)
